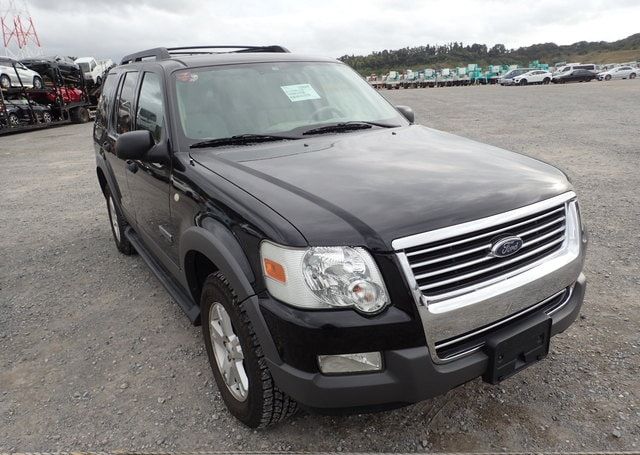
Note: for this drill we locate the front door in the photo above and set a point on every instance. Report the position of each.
(150, 183)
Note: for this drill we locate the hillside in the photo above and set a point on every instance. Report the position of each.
(458, 54)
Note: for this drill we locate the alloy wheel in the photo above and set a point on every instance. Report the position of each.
(228, 352)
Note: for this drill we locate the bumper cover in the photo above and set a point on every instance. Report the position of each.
(410, 375)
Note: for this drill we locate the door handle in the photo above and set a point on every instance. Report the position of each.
(132, 166)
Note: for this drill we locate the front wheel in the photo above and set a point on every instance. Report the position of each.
(237, 360)
(607, 77)
(546, 81)
(523, 82)
(80, 115)
(5, 81)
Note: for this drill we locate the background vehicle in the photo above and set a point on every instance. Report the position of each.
(533, 77)
(93, 69)
(577, 66)
(574, 76)
(507, 78)
(15, 74)
(251, 238)
(65, 65)
(21, 110)
(620, 72)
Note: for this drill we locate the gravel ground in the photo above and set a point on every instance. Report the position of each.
(94, 355)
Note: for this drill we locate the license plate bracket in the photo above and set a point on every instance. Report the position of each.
(515, 348)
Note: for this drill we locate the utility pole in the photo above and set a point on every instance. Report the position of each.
(19, 36)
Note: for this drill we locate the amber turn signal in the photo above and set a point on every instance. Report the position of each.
(274, 270)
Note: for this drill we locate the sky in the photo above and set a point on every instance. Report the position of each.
(112, 28)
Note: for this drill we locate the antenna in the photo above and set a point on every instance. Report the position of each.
(19, 36)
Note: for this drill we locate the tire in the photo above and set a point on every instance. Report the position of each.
(632, 76)
(46, 117)
(523, 82)
(5, 81)
(80, 115)
(251, 395)
(607, 77)
(546, 81)
(99, 80)
(37, 82)
(14, 121)
(118, 225)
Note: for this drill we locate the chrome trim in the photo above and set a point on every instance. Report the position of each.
(461, 311)
(487, 269)
(483, 223)
(480, 345)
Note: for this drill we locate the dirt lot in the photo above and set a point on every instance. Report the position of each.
(94, 355)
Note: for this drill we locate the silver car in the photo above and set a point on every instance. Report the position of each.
(620, 72)
(15, 74)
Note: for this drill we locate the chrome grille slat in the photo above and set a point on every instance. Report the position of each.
(493, 267)
(463, 260)
(488, 234)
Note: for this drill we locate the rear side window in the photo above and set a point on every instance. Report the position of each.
(150, 115)
(106, 102)
(124, 105)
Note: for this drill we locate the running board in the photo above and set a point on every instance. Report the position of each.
(174, 289)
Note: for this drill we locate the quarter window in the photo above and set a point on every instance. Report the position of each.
(124, 106)
(150, 114)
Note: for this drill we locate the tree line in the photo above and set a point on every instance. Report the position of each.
(459, 54)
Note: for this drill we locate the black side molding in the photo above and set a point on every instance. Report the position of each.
(174, 289)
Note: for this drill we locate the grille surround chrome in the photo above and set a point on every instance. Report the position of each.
(449, 315)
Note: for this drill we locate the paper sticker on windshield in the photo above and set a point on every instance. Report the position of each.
(300, 92)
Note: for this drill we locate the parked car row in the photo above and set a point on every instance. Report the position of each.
(567, 73)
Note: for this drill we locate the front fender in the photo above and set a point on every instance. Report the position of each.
(219, 245)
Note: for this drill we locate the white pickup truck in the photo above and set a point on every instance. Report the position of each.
(93, 69)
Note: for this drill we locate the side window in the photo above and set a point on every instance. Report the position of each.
(124, 105)
(150, 115)
(106, 101)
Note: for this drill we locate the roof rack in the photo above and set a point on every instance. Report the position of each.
(164, 53)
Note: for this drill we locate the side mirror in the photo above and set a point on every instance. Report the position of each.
(407, 112)
(134, 145)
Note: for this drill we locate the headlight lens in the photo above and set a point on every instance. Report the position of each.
(324, 277)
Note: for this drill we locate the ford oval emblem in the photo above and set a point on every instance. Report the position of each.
(506, 246)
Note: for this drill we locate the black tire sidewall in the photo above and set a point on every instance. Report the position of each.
(123, 244)
(249, 411)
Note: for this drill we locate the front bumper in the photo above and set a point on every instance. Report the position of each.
(410, 374)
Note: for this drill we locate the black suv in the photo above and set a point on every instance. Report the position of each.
(336, 254)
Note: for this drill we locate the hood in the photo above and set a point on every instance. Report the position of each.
(369, 188)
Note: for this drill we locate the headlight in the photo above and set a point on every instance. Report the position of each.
(324, 277)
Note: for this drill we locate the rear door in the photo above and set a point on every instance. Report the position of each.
(150, 183)
(120, 121)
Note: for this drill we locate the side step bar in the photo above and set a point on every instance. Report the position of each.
(174, 289)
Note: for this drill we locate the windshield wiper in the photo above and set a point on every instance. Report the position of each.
(347, 126)
(241, 139)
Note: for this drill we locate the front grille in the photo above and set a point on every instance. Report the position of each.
(455, 263)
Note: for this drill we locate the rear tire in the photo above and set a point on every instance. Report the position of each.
(234, 351)
(546, 81)
(79, 115)
(523, 82)
(37, 82)
(118, 225)
(632, 76)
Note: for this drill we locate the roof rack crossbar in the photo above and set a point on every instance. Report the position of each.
(240, 48)
(160, 53)
(163, 53)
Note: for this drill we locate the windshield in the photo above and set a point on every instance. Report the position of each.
(275, 98)
(84, 67)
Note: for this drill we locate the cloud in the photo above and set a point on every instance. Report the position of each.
(332, 28)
